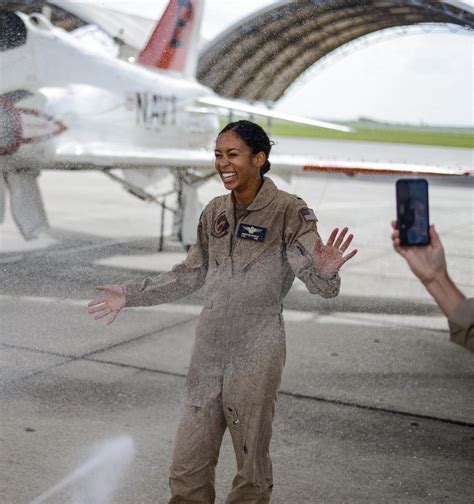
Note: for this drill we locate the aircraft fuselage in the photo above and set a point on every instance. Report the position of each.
(59, 95)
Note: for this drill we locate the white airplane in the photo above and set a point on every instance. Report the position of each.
(65, 107)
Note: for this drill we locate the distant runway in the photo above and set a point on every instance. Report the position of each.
(372, 151)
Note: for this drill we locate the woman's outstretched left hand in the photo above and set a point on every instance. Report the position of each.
(328, 259)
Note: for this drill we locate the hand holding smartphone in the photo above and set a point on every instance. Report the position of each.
(413, 211)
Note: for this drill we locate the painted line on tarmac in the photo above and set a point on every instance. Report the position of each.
(158, 261)
(48, 249)
(434, 323)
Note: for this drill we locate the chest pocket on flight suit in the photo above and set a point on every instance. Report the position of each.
(258, 272)
(251, 254)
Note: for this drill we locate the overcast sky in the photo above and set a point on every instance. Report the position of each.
(414, 78)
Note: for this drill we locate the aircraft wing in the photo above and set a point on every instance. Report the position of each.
(104, 156)
(31, 218)
(223, 103)
(298, 165)
(100, 156)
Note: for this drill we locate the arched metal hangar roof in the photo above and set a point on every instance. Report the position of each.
(263, 54)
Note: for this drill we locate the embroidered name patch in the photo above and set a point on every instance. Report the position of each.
(249, 232)
(220, 226)
(307, 214)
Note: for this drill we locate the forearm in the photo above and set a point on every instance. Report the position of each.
(317, 284)
(445, 293)
(183, 279)
(164, 288)
(301, 263)
(461, 324)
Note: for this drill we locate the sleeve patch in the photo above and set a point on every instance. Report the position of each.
(307, 214)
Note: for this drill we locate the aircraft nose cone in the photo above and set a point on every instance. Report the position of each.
(11, 131)
(24, 126)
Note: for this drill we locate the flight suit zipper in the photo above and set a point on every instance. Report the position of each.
(234, 234)
(231, 253)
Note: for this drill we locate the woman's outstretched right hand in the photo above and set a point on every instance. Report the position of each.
(110, 303)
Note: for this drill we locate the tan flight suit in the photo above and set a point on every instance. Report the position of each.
(239, 351)
(461, 324)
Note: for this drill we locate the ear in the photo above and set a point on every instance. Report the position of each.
(260, 159)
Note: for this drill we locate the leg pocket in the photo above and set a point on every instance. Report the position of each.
(196, 451)
(250, 425)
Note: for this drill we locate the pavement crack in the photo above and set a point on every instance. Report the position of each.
(38, 350)
(138, 368)
(87, 356)
(370, 407)
(136, 338)
(45, 370)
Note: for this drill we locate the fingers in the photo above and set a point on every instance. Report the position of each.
(95, 309)
(346, 244)
(350, 255)
(107, 288)
(102, 307)
(95, 302)
(103, 313)
(340, 238)
(396, 238)
(399, 248)
(101, 300)
(113, 289)
(103, 310)
(332, 237)
(396, 243)
(113, 317)
(396, 232)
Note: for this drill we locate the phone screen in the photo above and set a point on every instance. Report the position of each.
(412, 211)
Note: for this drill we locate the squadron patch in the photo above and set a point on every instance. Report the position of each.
(307, 214)
(249, 232)
(220, 226)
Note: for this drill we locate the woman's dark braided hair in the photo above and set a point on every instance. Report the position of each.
(255, 137)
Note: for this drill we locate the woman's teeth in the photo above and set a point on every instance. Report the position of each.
(228, 175)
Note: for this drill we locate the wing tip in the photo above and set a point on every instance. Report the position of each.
(387, 170)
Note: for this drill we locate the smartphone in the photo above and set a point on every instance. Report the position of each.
(413, 220)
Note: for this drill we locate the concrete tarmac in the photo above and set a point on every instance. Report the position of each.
(375, 404)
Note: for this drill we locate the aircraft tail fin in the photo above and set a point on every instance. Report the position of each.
(174, 43)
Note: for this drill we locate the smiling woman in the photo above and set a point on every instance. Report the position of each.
(242, 150)
(251, 244)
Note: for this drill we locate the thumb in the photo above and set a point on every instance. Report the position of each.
(103, 287)
(114, 289)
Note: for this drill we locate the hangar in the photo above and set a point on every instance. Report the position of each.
(263, 54)
(260, 56)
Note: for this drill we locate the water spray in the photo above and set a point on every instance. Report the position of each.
(99, 477)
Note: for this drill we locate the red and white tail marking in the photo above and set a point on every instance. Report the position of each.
(174, 43)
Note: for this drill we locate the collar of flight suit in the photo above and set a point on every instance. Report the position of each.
(264, 197)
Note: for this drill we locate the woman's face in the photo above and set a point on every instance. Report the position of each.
(237, 167)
